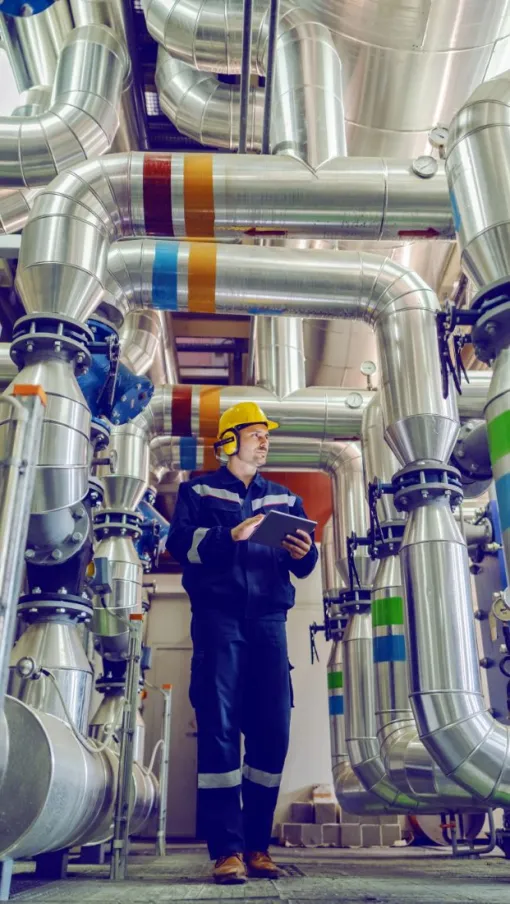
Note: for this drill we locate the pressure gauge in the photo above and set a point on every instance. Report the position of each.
(368, 368)
(500, 609)
(425, 166)
(354, 400)
(438, 136)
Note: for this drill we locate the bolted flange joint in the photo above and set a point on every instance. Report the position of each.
(423, 482)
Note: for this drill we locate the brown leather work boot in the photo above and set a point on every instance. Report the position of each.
(229, 870)
(260, 865)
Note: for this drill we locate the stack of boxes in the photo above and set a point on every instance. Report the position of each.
(321, 822)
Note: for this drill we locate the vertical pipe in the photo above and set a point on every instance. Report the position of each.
(163, 771)
(17, 477)
(274, 14)
(245, 75)
(122, 805)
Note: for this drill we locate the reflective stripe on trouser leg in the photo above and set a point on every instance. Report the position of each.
(218, 650)
(266, 725)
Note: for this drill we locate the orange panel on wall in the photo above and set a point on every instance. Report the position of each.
(314, 487)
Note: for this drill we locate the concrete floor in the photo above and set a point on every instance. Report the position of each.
(378, 875)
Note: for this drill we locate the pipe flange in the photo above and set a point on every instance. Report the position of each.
(491, 332)
(53, 334)
(422, 482)
(355, 601)
(32, 606)
(473, 470)
(118, 522)
(389, 543)
(95, 493)
(57, 555)
(99, 433)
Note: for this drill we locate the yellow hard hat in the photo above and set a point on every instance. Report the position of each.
(241, 415)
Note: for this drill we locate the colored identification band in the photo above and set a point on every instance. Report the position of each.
(498, 433)
(202, 278)
(181, 410)
(157, 195)
(335, 680)
(391, 648)
(164, 276)
(389, 611)
(503, 494)
(336, 706)
(209, 411)
(198, 195)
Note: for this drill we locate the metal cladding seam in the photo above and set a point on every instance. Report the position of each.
(82, 119)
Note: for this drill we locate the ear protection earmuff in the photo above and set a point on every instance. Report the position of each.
(229, 443)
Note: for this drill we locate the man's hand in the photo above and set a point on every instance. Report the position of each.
(244, 530)
(297, 546)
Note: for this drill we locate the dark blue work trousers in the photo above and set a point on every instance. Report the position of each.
(240, 683)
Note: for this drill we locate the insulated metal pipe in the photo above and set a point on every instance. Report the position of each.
(244, 89)
(82, 120)
(20, 454)
(33, 43)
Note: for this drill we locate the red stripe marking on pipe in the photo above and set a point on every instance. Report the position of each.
(181, 410)
(157, 195)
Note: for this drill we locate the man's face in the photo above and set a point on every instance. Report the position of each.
(254, 445)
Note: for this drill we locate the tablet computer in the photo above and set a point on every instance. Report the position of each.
(277, 525)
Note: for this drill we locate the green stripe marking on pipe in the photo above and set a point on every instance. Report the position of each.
(388, 611)
(335, 680)
(498, 432)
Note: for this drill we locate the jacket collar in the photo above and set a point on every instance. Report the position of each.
(229, 479)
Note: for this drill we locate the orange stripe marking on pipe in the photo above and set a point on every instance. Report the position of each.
(30, 389)
(198, 195)
(209, 411)
(202, 279)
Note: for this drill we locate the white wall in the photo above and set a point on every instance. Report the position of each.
(308, 761)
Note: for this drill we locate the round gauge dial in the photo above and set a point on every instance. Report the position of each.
(501, 610)
(354, 400)
(368, 368)
(425, 166)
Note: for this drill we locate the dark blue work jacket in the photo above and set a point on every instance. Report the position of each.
(220, 575)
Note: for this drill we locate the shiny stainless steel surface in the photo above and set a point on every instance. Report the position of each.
(125, 478)
(54, 644)
(8, 369)
(165, 367)
(113, 13)
(65, 796)
(140, 338)
(202, 107)
(34, 101)
(378, 459)
(63, 465)
(33, 43)
(408, 763)
(278, 356)
(360, 727)
(478, 146)
(331, 581)
(108, 716)
(15, 206)
(444, 678)
(82, 119)
(20, 447)
(113, 609)
(350, 511)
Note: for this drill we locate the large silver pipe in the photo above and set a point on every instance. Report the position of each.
(203, 108)
(82, 120)
(125, 476)
(114, 14)
(33, 43)
(17, 477)
(140, 339)
(278, 355)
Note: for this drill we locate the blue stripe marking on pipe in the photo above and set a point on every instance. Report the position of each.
(391, 648)
(503, 494)
(164, 276)
(336, 706)
(188, 452)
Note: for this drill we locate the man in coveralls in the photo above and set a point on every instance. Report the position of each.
(240, 675)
